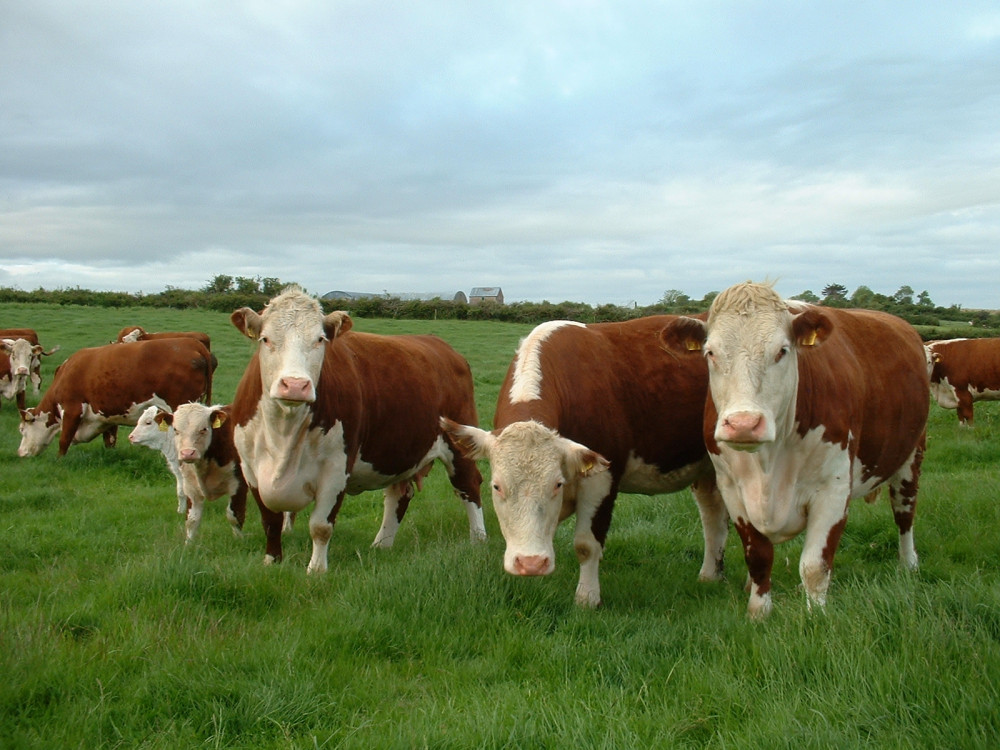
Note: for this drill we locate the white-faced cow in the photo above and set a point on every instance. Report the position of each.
(323, 411)
(964, 371)
(150, 433)
(97, 389)
(210, 465)
(808, 407)
(20, 361)
(575, 425)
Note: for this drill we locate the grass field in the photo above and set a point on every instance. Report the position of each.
(114, 634)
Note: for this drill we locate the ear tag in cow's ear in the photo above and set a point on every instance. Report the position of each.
(163, 426)
(587, 466)
(693, 345)
(809, 339)
(217, 423)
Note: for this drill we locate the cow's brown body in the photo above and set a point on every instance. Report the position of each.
(113, 384)
(964, 371)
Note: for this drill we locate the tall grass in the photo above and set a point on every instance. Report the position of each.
(113, 633)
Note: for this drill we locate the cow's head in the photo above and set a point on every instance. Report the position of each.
(22, 354)
(193, 425)
(38, 428)
(148, 430)
(534, 471)
(293, 334)
(751, 341)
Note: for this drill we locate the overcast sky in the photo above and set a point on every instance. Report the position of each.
(600, 151)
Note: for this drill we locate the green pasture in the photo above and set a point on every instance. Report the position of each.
(114, 634)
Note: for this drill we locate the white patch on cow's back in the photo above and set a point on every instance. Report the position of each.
(527, 383)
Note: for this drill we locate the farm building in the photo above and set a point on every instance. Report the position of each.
(404, 296)
(480, 294)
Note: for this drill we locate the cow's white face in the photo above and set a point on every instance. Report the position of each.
(36, 433)
(193, 425)
(148, 431)
(22, 355)
(293, 334)
(534, 470)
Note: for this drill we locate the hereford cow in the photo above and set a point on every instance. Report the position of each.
(808, 407)
(20, 362)
(963, 371)
(150, 433)
(97, 389)
(131, 334)
(322, 411)
(575, 425)
(209, 463)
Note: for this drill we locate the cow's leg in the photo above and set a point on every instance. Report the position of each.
(288, 524)
(466, 479)
(823, 531)
(110, 436)
(758, 551)
(71, 419)
(965, 410)
(594, 504)
(396, 499)
(903, 497)
(714, 525)
(321, 529)
(19, 398)
(271, 521)
(193, 520)
(236, 513)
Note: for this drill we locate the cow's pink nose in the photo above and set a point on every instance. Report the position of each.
(188, 454)
(531, 565)
(743, 427)
(21, 371)
(295, 389)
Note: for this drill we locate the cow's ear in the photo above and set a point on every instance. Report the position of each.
(583, 461)
(247, 321)
(811, 327)
(219, 418)
(683, 334)
(473, 442)
(27, 416)
(336, 323)
(164, 419)
(7, 345)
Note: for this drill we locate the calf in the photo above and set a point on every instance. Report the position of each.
(97, 389)
(149, 432)
(210, 465)
(574, 426)
(808, 407)
(963, 371)
(323, 411)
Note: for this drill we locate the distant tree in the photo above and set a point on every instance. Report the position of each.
(924, 299)
(221, 284)
(271, 286)
(903, 295)
(245, 285)
(863, 297)
(674, 297)
(708, 299)
(834, 292)
(807, 296)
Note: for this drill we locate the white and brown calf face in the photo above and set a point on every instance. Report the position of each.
(193, 425)
(532, 469)
(753, 376)
(148, 431)
(36, 434)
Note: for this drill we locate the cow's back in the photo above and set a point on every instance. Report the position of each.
(868, 381)
(615, 389)
(967, 363)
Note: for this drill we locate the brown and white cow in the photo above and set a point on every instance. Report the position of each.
(131, 334)
(964, 371)
(323, 411)
(808, 408)
(20, 361)
(97, 389)
(576, 424)
(209, 462)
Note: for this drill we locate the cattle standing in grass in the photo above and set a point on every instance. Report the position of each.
(100, 388)
(576, 423)
(20, 361)
(149, 433)
(210, 465)
(323, 411)
(131, 334)
(964, 371)
(808, 407)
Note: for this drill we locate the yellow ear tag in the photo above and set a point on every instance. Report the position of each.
(217, 423)
(809, 339)
(164, 426)
(692, 345)
(587, 467)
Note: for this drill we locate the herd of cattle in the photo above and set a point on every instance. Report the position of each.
(776, 413)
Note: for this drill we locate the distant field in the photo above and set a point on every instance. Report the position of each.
(113, 634)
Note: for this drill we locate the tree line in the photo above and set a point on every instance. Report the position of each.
(226, 293)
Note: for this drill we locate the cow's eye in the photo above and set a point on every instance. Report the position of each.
(558, 486)
(781, 353)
